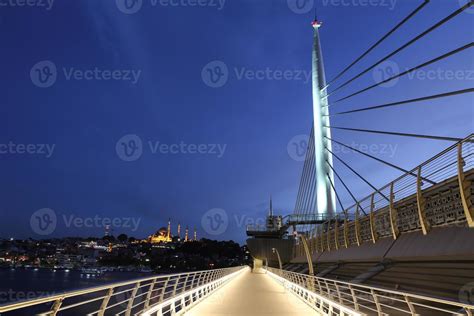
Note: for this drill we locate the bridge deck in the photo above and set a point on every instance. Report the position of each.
(251, 294)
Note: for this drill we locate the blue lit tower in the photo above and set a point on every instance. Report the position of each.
(326, 197)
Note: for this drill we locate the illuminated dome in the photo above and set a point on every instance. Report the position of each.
(163, 231)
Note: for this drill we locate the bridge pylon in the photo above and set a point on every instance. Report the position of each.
(325, 194)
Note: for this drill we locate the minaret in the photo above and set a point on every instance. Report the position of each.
(325, 195)
(186, 235)
(195, 234)
(179, 231)
(270, 213)
(270, 218)
(169, 229)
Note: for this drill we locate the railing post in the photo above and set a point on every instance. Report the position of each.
(373, 232)
(346, 232)
(338, 293)
(465, 189)
(185, 283)
(175, 287)
(336, 234)
(327, 288)
(393, 214)
(105, 302)
(377, 303)
(328, 235)
(321, 238)
(132, 299)
(308, 254)
(357, 226)
(354, 298)
(410, 306)
(163, 292)
(56, 306)
(420, 202)
(148, 295)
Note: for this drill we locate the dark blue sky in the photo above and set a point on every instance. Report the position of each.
(171, 102)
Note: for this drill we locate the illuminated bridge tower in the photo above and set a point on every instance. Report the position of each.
(326, 197)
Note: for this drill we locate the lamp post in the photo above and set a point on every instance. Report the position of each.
(307, 252)
(279, 258)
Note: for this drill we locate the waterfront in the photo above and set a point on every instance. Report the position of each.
(20, 283)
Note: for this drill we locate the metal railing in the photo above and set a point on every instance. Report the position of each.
(427, 196)
(332, 297)
(159, 295)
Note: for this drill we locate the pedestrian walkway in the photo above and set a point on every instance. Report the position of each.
(252, 294)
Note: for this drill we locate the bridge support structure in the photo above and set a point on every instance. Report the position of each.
(465, 189)
(326, 196)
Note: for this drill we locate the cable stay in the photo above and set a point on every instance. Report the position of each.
(337, 196)
(345, 186)
(431, 97)
(407, 44)
(453, 52)
(357, 174)
(452, 139)
(406, 19)
(380, 160)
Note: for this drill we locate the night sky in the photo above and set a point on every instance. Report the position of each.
(205, 144)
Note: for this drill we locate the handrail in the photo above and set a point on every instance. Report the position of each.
(468, 139)
(129, 296)
(368, 299)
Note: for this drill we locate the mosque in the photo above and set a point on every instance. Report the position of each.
(163, 235)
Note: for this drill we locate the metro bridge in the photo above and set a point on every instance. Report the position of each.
(405, 249)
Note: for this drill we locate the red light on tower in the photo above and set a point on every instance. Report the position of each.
(317, 24)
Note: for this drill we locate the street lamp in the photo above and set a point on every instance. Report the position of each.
(307, 252)
(279, 259)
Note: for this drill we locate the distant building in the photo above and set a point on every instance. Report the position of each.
(163, 235)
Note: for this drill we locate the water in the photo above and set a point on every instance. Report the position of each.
(19, 284)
